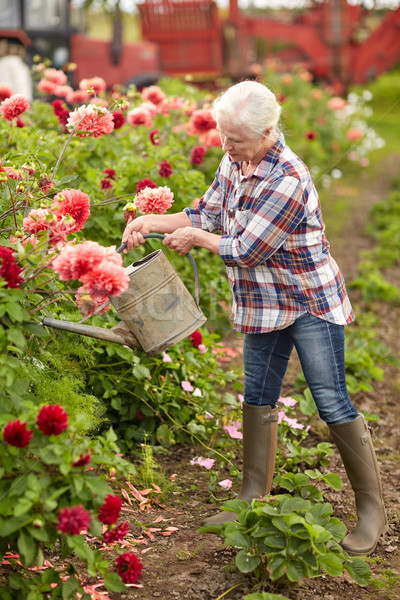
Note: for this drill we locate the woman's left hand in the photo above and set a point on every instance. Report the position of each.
(181, 240)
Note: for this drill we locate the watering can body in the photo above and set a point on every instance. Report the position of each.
(156, 311)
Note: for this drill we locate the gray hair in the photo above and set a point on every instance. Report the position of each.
(251, 105)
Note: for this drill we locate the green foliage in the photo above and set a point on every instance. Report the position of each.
(38, 480)
(287, 539)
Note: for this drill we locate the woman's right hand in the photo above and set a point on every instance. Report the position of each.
(134, 231)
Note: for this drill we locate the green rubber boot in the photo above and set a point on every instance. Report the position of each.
(260, 434)
(353, 440)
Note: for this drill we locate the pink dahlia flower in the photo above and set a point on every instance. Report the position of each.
(16, 434)
(89, 305)
(157, 200)
(76, 260)
(139, 116)
(354, 134)
(129, 567)
(201, 121)
(56, 76)
(91, 120)
(52, 419)
(47, 87)
(110, 510)
(13, 173)
(336, 103)
(74, 203)
(39, 219)
(5, 91)
(97, 83)
(73, 520)
(211, 139)
(105, 279)
(14, 106)
(153, 94)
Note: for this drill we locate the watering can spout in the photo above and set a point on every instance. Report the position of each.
(118, 334)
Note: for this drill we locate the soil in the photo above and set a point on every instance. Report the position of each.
(181, 564)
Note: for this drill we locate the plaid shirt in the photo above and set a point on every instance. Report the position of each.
(273, 243)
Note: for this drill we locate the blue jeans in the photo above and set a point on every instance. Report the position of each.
(320, 347)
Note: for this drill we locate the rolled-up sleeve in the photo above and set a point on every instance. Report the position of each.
(276, 213)
(207, 215)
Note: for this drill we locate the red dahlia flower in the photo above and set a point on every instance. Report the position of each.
(196, 338)
(144, 183)
(119, 119)
(117, 534)
(83, 460)
(154, 137)
(73, 520)
(110, 510)
(165, 169)
(201, 121)
(9, 270)
(16, 434)
(198, 155)
(52, 419)
(106, 184)
(129, 567)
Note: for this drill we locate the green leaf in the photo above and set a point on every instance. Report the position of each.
(331, 564)
(70, 587)
(13, 524)
(318, 513)
(113, 582)
(296, 569)
(264, 596)
(27, 547)
(247, 562)
(211, 528)
(234, 505)
(335, 481)
(238, 539)
(359, 570)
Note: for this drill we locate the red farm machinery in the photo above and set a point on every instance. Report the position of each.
(335, 41)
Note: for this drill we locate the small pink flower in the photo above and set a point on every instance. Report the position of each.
(287, 401)
(39, 219)
(14, 106)
(166, 358)
(210, 139)
(354, 134)
(226, 484)
(202, 348)
(233, 430)
(336, 103)
(47, 87)
(203, 462)
(91, 120)
(77, 97)
(187, 386)
(154, 200)
(13, 173)
(139, 116)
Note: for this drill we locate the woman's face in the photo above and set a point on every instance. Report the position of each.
(237, 145)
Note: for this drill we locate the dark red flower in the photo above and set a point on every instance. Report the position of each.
(109, 511)
(16, 434)
(196, 338)
(129, 567)
(19, 123)
(144, 183)
(106, 184)
(311, 135)
(119, 119)
(83, 460)
(198, 155)
(110, 173)
(117, 534)
(61, 112)
(73, 520)
(165, 169)
(9, 270)
(281, 98)
(52, 419)
(155, 140)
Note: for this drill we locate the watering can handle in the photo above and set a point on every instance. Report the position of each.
(161, 236)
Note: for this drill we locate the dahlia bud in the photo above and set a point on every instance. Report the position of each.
(130, 212)
(38, 523)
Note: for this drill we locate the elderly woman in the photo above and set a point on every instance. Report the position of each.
(262, 216)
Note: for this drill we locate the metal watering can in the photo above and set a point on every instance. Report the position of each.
(157, 310)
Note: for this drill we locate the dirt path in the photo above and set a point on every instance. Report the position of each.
(186, 565)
